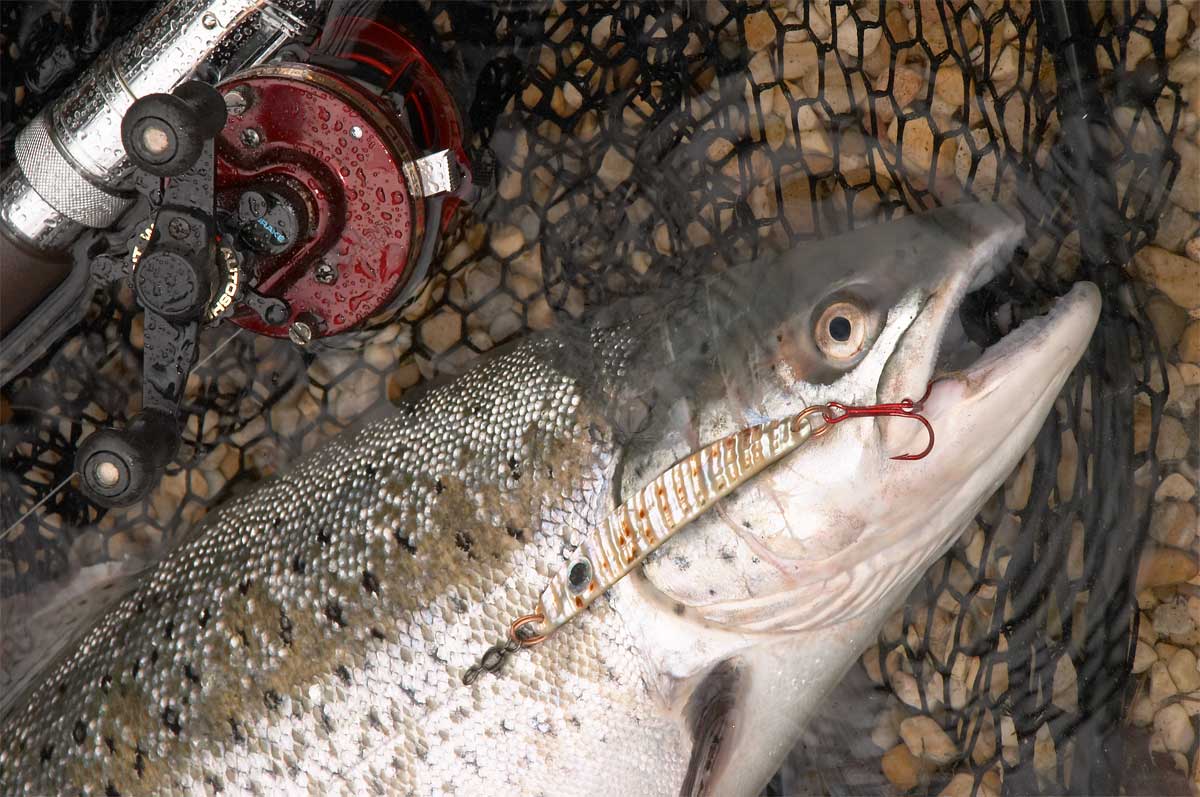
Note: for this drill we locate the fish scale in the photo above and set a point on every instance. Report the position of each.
(336, 608)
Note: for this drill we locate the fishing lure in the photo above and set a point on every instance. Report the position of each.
(676, 497)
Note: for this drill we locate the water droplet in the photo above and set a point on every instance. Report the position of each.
(323, 114)
(380, 194)
(343, 171)
(397, 198)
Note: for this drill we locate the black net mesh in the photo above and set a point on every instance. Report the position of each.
(638, 143)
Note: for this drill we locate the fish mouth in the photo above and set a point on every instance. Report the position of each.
(1009, 379)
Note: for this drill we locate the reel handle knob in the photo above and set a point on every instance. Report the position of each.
(163, 134)
(118, 467)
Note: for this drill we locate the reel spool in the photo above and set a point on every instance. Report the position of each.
(335, 178)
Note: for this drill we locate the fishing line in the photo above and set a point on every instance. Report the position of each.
(35, 507)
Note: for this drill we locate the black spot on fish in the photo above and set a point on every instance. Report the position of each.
(373, 719)
(326, 720)
(746, 524)
(515, 467)
(136, 668)
(727, 555)
(244, 587)
(370, 583)
(154, 655)
(298, 564)
(169, 629)
(463, 541)
(323, 536)
(47, 751)
(285, 627)
(140, 608)
(236, 730)
(202, 620)
(377, 634)
(170, 718)
(438, 487)
(215, 782)
(333, 612)
(272, 699)
(459, 604)
(245, 637)
(515, 533)
(111, 744)
(406, 542)
(139, 761)
(343, 673)
(705, 347)
(105, 682)
(679, 609)
(190, 673)
(62, 688)
(110, 790)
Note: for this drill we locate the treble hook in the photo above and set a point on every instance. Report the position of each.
(905, 408)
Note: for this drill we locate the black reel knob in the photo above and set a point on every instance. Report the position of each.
(118, 467)
(163, 134)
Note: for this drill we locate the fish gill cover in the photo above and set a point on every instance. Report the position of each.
(633, 143)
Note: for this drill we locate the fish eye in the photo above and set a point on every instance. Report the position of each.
(841, 331)
(579, 576)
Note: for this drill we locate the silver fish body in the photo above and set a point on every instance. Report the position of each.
(312, 636)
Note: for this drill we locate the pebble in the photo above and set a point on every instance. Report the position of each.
(1174, 523)
(1182, 667)
(1143, 657)
(1171, 619)
(1189, 343)
(615, 168)
(1173, 725)
(927, 741)
(963, 785)
(506, 241)
(1167, 318)
(1175, 487)
(799, 58)
(1173, 442)
(441, 331)
(1064, 687)
(909, 691)
(1016, 491)
(901, 768)
(1178, 277)
(760, 30)
(1161, 567)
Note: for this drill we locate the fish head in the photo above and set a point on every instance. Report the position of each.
(823, 533)
(809, 557)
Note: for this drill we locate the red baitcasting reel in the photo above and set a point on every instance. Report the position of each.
(297, 199)
(336, 184)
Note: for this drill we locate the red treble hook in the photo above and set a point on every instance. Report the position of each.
(905, 408)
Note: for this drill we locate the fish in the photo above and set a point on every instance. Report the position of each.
(313, 634)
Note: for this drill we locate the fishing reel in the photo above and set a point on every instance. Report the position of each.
(296, 199)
